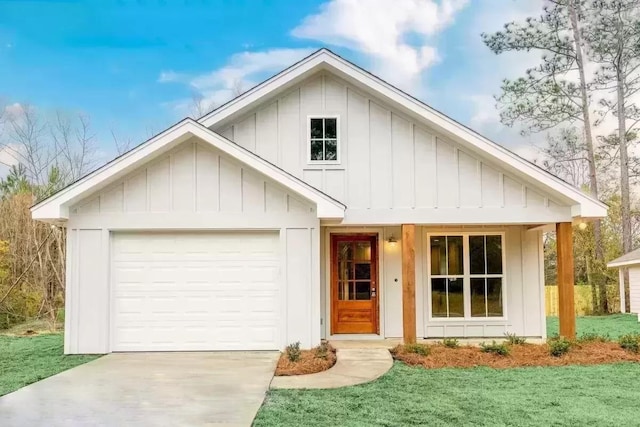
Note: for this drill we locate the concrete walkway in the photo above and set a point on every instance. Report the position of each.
(353, 366)
(147, 389)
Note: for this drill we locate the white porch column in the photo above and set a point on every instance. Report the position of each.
(623, 300)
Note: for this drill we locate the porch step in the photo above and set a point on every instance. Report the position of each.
(386, 343)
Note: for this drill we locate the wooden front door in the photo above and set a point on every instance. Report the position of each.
(354, 284)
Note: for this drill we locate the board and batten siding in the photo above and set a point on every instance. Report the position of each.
(523, 286)
(634, 289)
(192, 187)
(393, 169)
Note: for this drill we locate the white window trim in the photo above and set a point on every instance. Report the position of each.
(308, 139)
(466, 284)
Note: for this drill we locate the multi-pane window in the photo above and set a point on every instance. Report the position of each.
(447, 276)
(485, 275)
(466, 275)
(323, 139)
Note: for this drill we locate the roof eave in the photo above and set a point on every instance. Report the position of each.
(614, 264)
(583, 204)
(56, 207)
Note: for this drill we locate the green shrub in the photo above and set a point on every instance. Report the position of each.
(497, 348)
(559, 346)
(450, 343)
(322, 351)
(594, 337)
(514, 339)
(420, 349)
(293, 352)
(630, 342)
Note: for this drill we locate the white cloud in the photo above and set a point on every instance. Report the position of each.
(241, 72)
(14, 110)
(169, 76)
(381, 29)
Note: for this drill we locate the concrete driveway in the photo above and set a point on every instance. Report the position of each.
(147, 389)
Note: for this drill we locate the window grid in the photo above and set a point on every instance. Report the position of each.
(324, 140)
(467, 276)
(447, 276)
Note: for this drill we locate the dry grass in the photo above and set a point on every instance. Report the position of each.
(590, 353)
(309, 363)
(34, 327)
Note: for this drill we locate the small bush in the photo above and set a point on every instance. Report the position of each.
(293, 352)
(322, 351)
(420, 349)
(630, 342)
(594, 337)
(559, 346)
(513, 339)
(450, 343)
(496, 348)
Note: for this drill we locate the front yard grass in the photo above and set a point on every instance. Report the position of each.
(614, 325)
(412, 396)
(25, 360)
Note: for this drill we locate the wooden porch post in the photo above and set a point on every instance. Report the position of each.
(566, 309)
(623, 297)
(409, 283)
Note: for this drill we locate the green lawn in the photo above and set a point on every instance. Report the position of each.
(613, 325)
(406, 396)
(558, 396)
(24, 360)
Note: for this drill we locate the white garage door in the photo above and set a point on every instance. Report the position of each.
(195, 291)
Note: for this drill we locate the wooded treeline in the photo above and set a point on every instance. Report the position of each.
(583, 95)
(582, 98)
(44, 152)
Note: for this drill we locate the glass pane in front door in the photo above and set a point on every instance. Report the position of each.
(354, 270)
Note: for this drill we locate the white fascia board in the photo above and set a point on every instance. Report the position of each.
(57, 206)
(585, 206)
(623, 263)
(589, 209)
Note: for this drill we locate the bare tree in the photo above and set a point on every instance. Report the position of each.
(200, 106)
(237, 88)
(122, 144)
(30, 148)
(74, 144)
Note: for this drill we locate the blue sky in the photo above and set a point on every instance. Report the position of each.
(134, 66)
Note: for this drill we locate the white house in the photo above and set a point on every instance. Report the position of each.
(322, 203)
(630, 262)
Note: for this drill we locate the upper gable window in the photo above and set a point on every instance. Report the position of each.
(323, 140)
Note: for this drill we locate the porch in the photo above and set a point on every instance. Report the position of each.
(418, 282)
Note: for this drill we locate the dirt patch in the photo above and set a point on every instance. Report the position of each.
(590, 353)
(310, 362)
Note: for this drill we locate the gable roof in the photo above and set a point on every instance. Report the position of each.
(630, 258)
(57, 206)
(582, 205)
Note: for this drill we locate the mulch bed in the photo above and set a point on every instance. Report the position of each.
(588, 353)
(309, 363)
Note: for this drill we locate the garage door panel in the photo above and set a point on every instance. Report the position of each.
(207, 291)
(164, 246)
